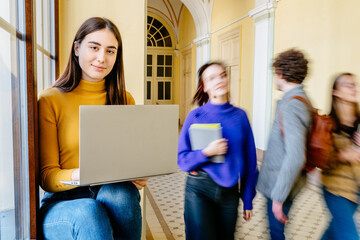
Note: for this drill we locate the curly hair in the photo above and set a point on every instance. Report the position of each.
(292, 65)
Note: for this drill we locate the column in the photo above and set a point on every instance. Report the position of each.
(263, 55)
(202, 50)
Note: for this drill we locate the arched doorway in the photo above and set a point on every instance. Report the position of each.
(159, 62)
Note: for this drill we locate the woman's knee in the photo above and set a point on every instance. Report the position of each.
(124, 193)
(77, 218)
(122, 200)
(91, 209)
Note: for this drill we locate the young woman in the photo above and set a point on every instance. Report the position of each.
(94, 76)
(212, 191)
(341, 182)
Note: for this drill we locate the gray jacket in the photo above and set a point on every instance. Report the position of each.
(282, 173)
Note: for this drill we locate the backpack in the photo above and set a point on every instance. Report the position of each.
(319, 146)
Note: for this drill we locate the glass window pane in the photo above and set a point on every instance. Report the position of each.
(7, 202)
(52, 67)
(46, 25)
(5, 10)
(149, 19)
(149, 71)
(149, 59)
(168, 60)
(164, 31)
(168, 72)
(160, 71)
(148, 43)
(168, 42)
(40, 77)
(148, 90)
(47, 73)
(158, 36)
(160, 43)
(39, 23)
(160, 60)
(152, 31)
(52, 30)
(167, 91)
(157, 24)
(160, 90)
(21, 16)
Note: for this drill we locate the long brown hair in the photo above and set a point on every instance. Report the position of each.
(200, 96)
(114, 81)
(333, 112)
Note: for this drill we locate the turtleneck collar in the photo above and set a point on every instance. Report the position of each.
(92, 86)
(218, 107)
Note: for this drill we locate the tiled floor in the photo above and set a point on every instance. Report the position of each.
(164, 212)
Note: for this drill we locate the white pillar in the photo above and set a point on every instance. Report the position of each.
(202, 50)
(263, 55)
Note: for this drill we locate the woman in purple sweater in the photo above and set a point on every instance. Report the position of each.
(212, 189)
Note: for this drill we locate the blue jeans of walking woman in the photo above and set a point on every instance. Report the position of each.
(211, 211)
(342, 225)
(110, 211)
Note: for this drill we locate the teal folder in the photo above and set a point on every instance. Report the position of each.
(203, 134)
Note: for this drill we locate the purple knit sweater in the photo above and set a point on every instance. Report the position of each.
(240, 160)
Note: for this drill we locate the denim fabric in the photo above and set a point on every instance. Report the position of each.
(277, 228)
(110, 211)
(210, 210)
(342, 225)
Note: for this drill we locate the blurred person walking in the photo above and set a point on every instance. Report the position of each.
(212, 189)
(282, 173)
(341, 180)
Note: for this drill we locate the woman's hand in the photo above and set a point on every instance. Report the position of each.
(140, 183)
(247, 214)
(217, 147)
(75, 175)
(349, 154)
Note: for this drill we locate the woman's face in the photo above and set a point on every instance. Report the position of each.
(97, 54)
(346, 89)
(216, 82)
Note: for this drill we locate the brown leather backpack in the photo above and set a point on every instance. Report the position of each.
(320, 142)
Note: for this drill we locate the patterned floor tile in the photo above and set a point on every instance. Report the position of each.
(307, 219)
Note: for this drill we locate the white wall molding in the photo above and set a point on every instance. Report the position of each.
(202, 39)
(263, 9)
(262, 79)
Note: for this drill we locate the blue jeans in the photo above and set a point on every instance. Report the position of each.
(277, 228)
(110, 211)
(210, 210)
(342, 225)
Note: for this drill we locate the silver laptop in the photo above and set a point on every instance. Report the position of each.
(126, 142)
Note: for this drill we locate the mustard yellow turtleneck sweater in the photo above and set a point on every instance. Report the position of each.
(59, 130)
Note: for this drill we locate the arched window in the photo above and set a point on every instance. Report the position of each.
(159, 63)
(157, 34)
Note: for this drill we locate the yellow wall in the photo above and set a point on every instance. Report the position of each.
(327, 30)
(226, 11)
(187, 33)
(234, 10)
(128, 15)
